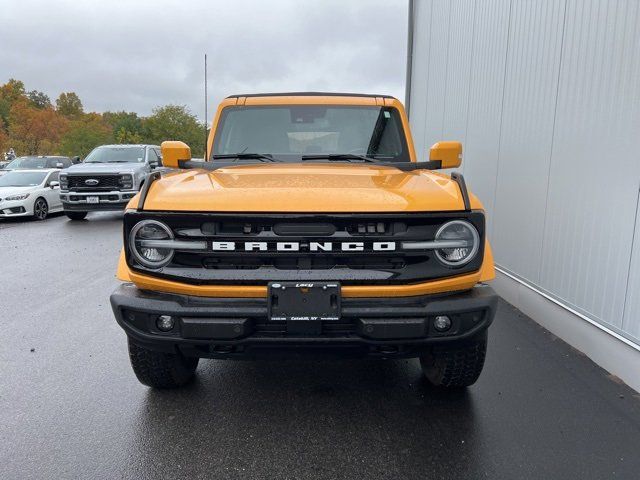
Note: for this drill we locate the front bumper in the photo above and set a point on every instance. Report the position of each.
(15, 208)
(77, 201)
(239, 327)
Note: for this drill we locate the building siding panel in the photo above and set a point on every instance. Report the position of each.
(530, 87)
(595, 168)
(546, 98)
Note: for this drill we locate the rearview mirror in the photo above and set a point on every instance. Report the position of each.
(174, 152)
(449, 154)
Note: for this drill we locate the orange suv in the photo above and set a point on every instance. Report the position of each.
(311, 227)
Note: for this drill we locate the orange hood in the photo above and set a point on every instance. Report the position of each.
(305, 188)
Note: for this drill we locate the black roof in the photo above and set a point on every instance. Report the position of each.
(309, 94)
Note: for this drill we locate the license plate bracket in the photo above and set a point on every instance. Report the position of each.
(304, 303)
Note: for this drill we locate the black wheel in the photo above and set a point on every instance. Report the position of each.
(161, 370)
(40, 209)
(76, 215)
(456, 365)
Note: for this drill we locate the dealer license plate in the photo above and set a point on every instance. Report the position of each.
(304, 301)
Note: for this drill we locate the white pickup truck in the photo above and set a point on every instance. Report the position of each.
(109, 177)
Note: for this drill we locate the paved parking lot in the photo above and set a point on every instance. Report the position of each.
(70, 407)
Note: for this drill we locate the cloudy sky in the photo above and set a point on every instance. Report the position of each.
(135, 55)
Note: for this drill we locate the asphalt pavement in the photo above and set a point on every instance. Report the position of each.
(70, 406)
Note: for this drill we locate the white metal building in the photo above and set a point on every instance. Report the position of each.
(545, 96)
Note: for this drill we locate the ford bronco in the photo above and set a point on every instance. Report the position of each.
(310, 227)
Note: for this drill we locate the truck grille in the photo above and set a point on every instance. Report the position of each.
(258, 267)
(105, 182)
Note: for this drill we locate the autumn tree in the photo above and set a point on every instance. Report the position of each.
(38, 99)
(175, 122)
(10, 93)
(35, 131)
(4, 140)
(127, 126)
(30, 124)
(84, 134)
(69, 104)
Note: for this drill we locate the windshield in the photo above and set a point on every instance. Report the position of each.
(27, 162)
(116, 155)
(291, 131)
(22, 179)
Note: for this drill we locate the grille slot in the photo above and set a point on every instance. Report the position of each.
(289, 262)
(105, 182)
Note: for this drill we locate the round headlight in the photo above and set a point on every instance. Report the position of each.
(141, 240)
(464, 239)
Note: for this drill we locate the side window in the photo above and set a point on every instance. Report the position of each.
(53, 178)
(55, 162)
(159, 157)
(152, 156)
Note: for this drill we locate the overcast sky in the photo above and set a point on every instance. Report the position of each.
(138, 54)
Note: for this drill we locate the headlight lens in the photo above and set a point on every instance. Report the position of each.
(149, 256)
(126, 181)
(64, 181)
(462, 233)
(22, 196)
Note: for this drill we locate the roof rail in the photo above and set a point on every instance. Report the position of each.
(309, 94)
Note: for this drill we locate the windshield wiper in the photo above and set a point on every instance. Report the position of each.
(339, 156)
(264, 157)
(404, 166)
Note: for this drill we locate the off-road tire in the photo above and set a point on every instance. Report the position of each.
(456, 365)
(76, 215)
(161, 370)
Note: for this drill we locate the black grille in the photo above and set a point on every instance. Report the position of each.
(105, 182)
(349, 267)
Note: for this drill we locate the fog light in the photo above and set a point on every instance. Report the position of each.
(165, 323)
(442, 323)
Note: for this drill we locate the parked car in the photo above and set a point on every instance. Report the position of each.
(33, 162)
(107, 179)
(312, 228)
(25, 193)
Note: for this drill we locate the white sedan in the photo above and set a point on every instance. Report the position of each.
(26, 193)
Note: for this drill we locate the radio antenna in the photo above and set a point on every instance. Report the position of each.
(206, 111)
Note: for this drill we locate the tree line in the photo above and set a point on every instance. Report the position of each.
(32, 124)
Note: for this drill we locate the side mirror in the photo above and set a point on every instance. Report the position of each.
(54, 184)
(174, 152)
(153, 165)
(449, 154)
(75, 160)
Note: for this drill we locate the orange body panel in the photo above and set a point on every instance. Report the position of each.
(306, 188)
